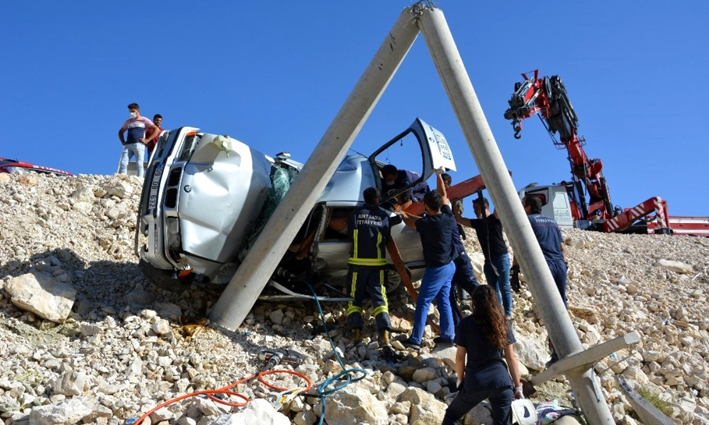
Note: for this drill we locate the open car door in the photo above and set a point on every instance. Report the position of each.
(434, 149)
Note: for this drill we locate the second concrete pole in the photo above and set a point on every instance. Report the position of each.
(494, 172)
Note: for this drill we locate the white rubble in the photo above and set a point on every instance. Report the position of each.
(113, 346)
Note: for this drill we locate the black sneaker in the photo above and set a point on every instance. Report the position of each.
(410, 344)
(439, 340)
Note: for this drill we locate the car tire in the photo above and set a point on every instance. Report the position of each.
(165, 279)
(393, 281)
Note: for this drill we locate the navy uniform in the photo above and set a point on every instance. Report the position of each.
(405, 178)
(464, 277)
(550, 239)
(369, 227)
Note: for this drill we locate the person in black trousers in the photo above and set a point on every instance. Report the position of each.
(369, 227)
(483, 337)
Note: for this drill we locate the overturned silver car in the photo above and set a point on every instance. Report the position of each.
(207, 197)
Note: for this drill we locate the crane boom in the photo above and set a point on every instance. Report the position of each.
(547, 97)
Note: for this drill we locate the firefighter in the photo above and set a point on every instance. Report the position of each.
(369, 228)
(551, 241)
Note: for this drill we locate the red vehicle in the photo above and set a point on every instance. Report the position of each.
(547, 96)
(14, 166)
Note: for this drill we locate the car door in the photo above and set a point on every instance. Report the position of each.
(434, 151)
(356, 173)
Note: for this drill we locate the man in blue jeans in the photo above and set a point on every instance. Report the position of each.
(497, 261)
(439, 252)
(134, 145)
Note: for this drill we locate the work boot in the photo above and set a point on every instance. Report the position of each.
(357, 335)
(384, 337)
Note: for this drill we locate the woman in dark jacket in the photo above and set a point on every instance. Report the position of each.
(483, 337)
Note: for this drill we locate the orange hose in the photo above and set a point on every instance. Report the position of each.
(227, 391)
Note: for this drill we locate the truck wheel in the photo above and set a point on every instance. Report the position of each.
(165, 279)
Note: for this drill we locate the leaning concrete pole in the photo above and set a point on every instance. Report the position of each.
(263, 258)
(494, 172)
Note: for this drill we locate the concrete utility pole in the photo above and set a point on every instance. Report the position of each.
(263, 258)
(489, 161)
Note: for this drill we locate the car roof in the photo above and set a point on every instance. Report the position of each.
(347, 185)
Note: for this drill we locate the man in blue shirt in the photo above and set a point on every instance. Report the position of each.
(551, 242)
(439, 252)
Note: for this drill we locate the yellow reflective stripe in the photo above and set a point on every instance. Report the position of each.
(355, 237)
(353, 285)
(379, 242)
(353, 309)
(383, 289)
(379, 310)
(368, 261)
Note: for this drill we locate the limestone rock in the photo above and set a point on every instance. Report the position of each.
(425, 409)
(480, 414)
(676, 266)
(424, 374)
(42, 294)
(258, 411)
(68, 412)
(531, 352)
(354, 405)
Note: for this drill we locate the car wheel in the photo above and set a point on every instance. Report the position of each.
(165, 279)
(393, 281)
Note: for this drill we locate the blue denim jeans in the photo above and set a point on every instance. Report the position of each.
(136, 150)
(436, 284)
(497, 273)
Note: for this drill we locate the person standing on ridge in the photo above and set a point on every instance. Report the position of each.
(157, 120)
(134, 145)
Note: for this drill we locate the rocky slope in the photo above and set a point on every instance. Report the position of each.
(126, 346)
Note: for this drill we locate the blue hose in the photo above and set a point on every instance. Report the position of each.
(345, 376)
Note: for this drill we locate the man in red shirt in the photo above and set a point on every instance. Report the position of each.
(157, 120)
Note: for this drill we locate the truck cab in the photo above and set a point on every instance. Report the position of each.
(555, 202)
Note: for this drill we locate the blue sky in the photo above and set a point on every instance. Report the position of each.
(274, 74)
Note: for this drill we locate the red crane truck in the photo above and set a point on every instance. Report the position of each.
(588, 191)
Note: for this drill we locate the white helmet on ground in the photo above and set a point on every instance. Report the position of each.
(524, 412)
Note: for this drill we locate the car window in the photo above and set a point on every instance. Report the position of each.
(406, 155)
